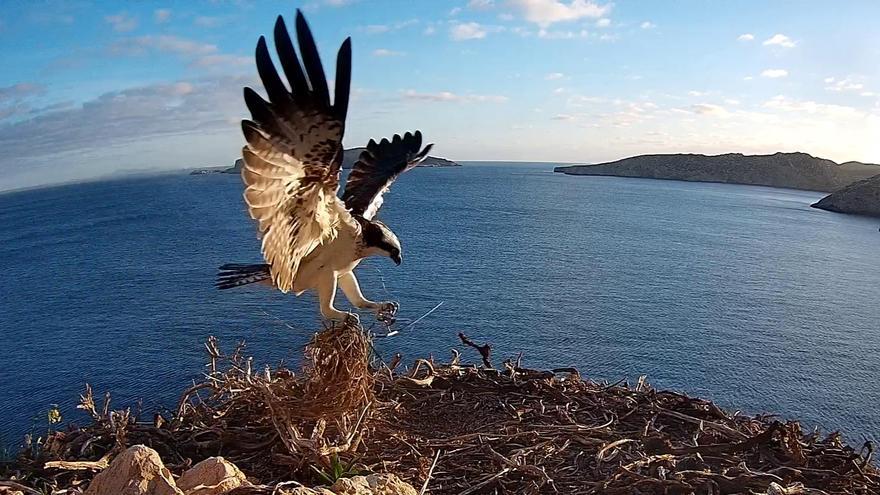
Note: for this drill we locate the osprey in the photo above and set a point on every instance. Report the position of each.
(311, 238)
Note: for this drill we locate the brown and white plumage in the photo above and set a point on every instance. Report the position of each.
(377, 168)
(294, 152)
(312, 239)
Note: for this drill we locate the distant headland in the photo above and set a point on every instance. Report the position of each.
(856, 185)
(860, 198)
(349, 158)
(788, 170)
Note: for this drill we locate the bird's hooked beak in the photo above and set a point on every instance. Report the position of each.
(396, 258)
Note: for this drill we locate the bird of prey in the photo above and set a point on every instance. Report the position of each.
(311, 238)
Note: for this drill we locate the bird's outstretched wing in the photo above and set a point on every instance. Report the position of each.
(377, 168)
(294, 151)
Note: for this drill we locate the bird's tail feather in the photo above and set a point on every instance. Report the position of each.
(234, 274)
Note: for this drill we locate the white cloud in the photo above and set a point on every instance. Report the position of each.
(774, 73)
(746, 37)
(198, 54)
(467, 31)
(387, 28)
(163, 43)
(129, 116)
(222, 60)
(455, 11)
(604, 22)
(647, 25)
(709, 109)
(430, 30)
(481, 4)
(449, 97)
(784, 103)
(546, 12)
(732, 101)
(847, 84)
(562, 35)
(207, 21)
(553, 76)
(161, 15)
(376, 28)
(121, 22)
(383, 52)
(20, 90)
(563, 116)
(780, 40)
(697, 93)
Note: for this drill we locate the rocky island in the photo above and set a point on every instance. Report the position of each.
(349, 158)
(860, 198)
(788, 170)
(352, 154)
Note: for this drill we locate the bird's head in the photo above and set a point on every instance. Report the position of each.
(379, 240)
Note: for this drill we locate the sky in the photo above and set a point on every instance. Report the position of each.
(89, 89)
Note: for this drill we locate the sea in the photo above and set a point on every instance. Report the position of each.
(743, 295)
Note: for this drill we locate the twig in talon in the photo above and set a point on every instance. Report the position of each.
(484, 350)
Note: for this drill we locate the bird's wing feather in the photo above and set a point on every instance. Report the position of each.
(294, 151)
(377, 168)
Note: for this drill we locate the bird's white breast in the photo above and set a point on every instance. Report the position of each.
(341, 255)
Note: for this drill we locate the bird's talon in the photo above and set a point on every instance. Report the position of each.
(387, 312)
(352, 319)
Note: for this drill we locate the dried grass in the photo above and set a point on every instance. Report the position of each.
(463, 429)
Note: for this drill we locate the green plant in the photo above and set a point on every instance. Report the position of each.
(337, 470)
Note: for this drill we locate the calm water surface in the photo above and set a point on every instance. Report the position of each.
(740, 294)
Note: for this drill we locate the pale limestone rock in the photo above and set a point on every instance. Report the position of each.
(213, 476)
(137, 471)
(374, 484)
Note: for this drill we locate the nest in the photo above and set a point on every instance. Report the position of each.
(338, 378)
(459, 429)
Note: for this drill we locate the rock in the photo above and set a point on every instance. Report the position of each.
(861, 198)
(137, 471)
(213, 476)
(374, 484)
(791, 170)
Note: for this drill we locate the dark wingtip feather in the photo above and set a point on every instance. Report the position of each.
(258, 107)
(311, 60)
(269, 75)
(250, 131)
(343, 79)
(289, 60)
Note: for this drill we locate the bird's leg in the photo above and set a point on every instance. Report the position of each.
(326, 296)
(349, 284)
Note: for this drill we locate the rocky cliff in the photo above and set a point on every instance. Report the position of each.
(790, 170)
(862, 198)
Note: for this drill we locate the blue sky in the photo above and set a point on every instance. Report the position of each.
(92, 88)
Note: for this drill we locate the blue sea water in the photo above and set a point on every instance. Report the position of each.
(741, 294)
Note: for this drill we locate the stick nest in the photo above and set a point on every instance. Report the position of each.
(462, 429)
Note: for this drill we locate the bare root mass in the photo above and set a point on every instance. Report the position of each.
(459, 429)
